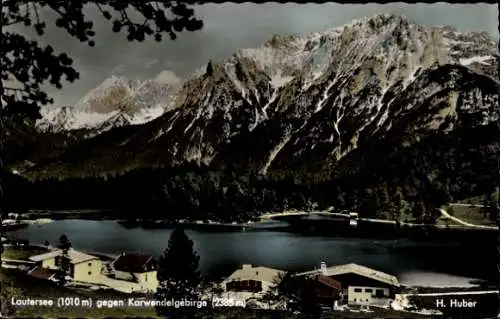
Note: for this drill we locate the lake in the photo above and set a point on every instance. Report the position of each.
(221, 252)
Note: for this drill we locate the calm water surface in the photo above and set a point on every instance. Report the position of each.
(221, 252)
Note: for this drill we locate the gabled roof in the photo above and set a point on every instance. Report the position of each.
(42, 273)
(248, 272)
(75, 256)
(330, 282)
(355, 269)
(133, 262)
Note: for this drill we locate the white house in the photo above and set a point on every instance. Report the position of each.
(82, 267)
(136, 268)
(360, 285)
(250, 282)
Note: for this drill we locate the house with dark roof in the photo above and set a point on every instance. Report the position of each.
(360, 285)
(138, 268)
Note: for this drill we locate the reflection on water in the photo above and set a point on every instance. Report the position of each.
(221, 252)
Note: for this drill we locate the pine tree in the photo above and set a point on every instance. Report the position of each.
(178, 275)
(383, 198)
(399, 205)
(64, 260)
(283, 288)
(486, 205)
(419, 209)
(210, 69)
(494, 209)
(308, 301)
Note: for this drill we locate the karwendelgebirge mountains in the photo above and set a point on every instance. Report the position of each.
(381, 103)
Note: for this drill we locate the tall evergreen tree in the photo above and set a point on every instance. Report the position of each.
(210, 69)
(399, 205)
(64, 260)
(178, 275)
(494, 205)
(384, 201)
(486, 205)
(283, 289)
(419, 209)
(308, 301)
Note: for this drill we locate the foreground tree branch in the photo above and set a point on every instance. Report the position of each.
(30, 65)
(27, 66)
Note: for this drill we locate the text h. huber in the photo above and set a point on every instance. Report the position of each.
(456, 303)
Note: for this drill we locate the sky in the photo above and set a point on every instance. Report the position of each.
(227, 28)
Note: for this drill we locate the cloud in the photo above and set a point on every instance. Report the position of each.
(168, 77)
(150, 63)
(118, 70)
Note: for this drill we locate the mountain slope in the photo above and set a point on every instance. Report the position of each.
(117, 101)
(307, 103)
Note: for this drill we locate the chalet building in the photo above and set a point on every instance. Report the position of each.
(360, 285)
(83, 267)
(137, 268)
(251, 282)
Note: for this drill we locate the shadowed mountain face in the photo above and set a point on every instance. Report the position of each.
(380, 99)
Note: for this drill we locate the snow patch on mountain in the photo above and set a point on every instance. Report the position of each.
(278, 81)
(476, 59)
(145, 115)
(69, 118)
(128, 95)
(118, 101)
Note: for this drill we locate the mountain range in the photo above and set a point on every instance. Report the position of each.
(116, 102)
(379, 101)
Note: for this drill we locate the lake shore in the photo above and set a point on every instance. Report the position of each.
(327, 226)
(88, 214)
(113, 214)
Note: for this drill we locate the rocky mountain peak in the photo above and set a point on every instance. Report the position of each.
(117, 101)
(126, 95)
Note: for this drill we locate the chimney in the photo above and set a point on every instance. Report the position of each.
(246, 266)
(322, 267)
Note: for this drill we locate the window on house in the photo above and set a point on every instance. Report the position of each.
(369, 290)
(358, 290)
(90, 273)
(146, 277)
(379, 293)
(90, 264)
